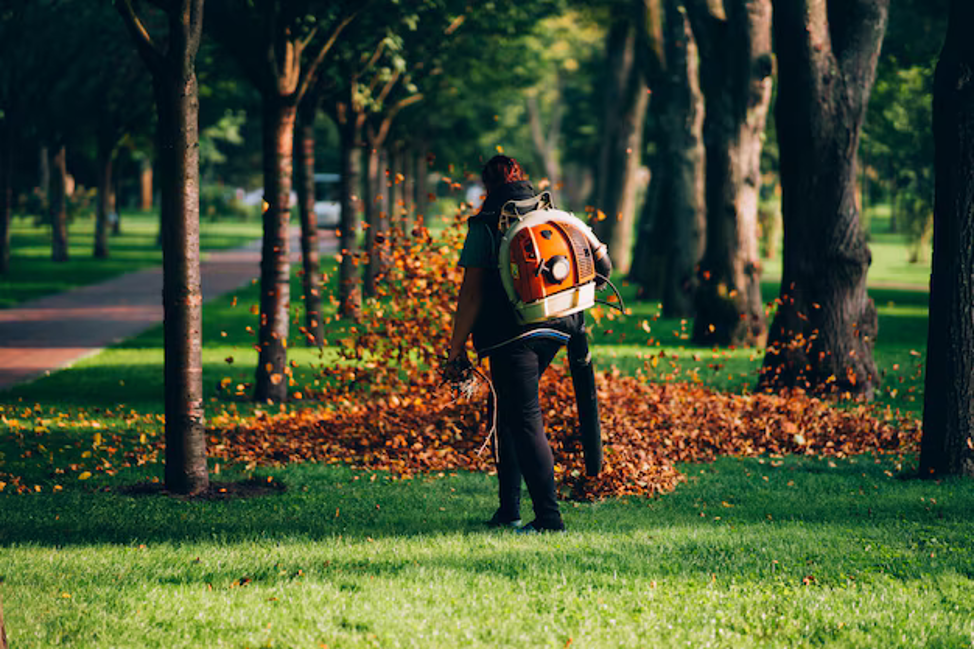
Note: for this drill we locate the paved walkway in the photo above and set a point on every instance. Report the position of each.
(49, 333)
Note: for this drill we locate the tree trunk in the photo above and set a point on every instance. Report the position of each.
(349, 298)
(547, 140)
(44, 176)
(670, 241)
(145, 184)
(105, 157)
(314, 328)
(422, 177)
(59, 207)
(625, 111)
(409, 182)
(947, 446)
(375, 193)
(177, 100)
(275, 264)
(735, 75)
(823, 333)
(6, 192)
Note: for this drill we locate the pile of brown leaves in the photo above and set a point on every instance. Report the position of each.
(383, 406)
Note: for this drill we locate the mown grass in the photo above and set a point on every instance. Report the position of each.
(748, 552)
(33, 274)
(760, 552)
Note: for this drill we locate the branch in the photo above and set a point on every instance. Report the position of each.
(387, 88)
(195, 24)
(150, 52)
(391, 115)
(310, 71)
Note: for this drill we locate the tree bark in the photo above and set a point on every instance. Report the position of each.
(409, 182)
(59, 207)
(314, 328)
(275, 265)
(670, 238)
(145, 184)
(947, 446)
(177, 100)
(824, 330)
(177, 134)
(375, 201)
(349, 297)
(625, 111)
(422, 178)
(546, 140)
(6, 192)
(735, 75)
(44, 175)
(106, 155)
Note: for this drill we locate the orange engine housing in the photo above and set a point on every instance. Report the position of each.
(539, 255)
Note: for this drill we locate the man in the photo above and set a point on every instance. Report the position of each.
(519, 355)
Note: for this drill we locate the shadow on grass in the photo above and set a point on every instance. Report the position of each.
(327, 501)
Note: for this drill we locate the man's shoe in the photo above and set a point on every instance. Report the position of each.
(536, 527)
(498, 521)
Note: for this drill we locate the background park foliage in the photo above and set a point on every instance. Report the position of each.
(762, 416)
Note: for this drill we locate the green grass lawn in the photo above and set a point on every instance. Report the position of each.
(748, 552)
(761, 552)
(33, 274)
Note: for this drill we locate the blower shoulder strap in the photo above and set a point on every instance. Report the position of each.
(515, 209)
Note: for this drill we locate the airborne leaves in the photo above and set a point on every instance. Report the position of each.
(383, 406)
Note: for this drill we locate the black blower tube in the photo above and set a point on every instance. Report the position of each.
(583, 381)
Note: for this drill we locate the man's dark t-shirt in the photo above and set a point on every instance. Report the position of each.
(497, 324)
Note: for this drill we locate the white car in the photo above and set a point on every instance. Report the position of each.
(328, 200)
(328, 206)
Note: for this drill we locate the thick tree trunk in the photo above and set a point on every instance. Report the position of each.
(59, 207)
(6, 193)
(824, 330)
(106, 157)
(374, 203)
(670, 240)
(275, 264)
(947, 446)
(625, 111)
(314, 328)
(178, 109)
(349, 297)
(735, 76)
(177, 134)
(145, 184)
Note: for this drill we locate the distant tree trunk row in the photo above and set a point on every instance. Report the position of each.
(625, 105)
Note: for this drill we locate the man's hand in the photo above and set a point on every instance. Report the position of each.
(457, 369)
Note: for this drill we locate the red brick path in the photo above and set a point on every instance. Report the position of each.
(49, 333)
